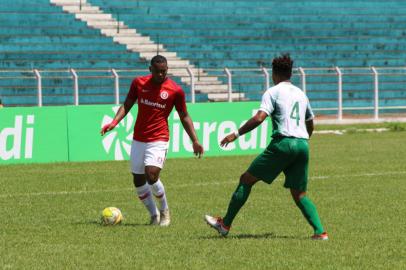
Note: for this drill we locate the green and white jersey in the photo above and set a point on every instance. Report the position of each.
(289, 108)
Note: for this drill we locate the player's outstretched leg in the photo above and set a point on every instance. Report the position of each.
(159, 192)
(238, 199)
(309, 211)
(144, 194)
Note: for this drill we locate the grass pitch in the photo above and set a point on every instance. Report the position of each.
(50, 213)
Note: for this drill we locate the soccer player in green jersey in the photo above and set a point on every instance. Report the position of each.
(288, 152)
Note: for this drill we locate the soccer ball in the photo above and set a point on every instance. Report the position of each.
(111, 216)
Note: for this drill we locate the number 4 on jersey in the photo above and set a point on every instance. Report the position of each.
(294, 114)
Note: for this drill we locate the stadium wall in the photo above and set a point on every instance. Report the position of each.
(72, 133)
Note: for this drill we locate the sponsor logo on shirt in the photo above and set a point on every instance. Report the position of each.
(144, 90)
(164, 95)
(152, 104)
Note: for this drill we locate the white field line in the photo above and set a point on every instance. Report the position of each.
(188, 185)
(341, 132)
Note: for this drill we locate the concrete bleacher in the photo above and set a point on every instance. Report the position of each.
(40, 36)
(237, 34)
(212, 35)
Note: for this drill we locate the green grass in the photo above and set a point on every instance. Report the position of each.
(392, 126)
(50, 213)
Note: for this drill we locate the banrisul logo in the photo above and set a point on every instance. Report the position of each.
(16, 141)
(118, 141)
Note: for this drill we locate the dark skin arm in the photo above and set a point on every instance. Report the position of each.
(251, 124)
(190, 130)
(309, 127)
(121, 113)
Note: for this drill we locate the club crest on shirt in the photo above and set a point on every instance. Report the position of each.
(164, 95)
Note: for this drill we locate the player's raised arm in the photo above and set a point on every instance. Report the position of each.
(251, 124)
(190, 130)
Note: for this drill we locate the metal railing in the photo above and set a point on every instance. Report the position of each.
(229, 77)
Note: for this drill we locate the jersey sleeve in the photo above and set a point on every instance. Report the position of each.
(309, 112)
(267, 103)
(133, 92)
(180, 101)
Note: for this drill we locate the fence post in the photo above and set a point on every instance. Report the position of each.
(118, 23)
(75, 87)
(376, 93)
(230, 84)
(266, 74)
(39, 86)
(116, 86)
(340, 93)
(192, 83)
(303, 77)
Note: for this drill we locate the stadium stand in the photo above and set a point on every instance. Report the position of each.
(39, 35)
(211, 35)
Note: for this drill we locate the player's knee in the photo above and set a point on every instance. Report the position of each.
(297, 194)
(139, 180)
(152, 175)
(247, 178)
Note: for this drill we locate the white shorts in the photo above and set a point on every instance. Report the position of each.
(147, 154)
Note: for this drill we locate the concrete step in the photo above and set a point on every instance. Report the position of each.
(130, 40)
(85, 9)
(68, 2)
(182, 71)
(178, 63)
(145, 47)
(211, 88)
(224, 96)
(134, 40)
(94, 16)
(170, 56)
(105, 24)
(203, 82)
(122, 33)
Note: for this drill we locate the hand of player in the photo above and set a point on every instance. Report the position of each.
(228, 139)
(108, 127)
(198, 149)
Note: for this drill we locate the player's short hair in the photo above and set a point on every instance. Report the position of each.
(158, 59)
(282, 66)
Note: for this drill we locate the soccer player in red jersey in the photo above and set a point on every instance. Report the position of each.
(156, 95)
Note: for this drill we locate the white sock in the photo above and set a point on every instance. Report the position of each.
(144, 194)
(159, 192)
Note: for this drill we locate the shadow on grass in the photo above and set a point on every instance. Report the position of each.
(98, 223)
(252, 236)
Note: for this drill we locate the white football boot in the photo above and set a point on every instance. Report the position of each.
(217, 224)
(165, 218)
(155, 219)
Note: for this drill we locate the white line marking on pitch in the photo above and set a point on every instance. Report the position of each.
(185, 185)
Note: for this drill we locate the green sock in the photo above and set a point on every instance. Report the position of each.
(238, 199)
(310, 213)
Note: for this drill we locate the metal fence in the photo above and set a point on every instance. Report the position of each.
(331, 89)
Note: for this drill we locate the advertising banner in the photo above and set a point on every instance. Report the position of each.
(85, 141)
(72, 133)
(33, 135)
(212, 122)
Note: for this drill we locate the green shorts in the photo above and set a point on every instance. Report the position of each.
(287, 155)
